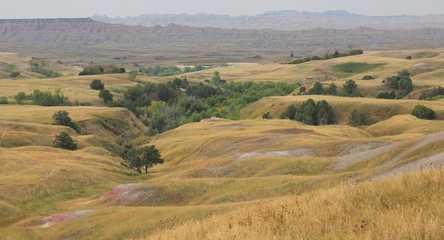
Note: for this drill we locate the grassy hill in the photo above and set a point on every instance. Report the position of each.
(252, 178)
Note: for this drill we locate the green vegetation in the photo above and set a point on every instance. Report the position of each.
(350, 89)
(423, 112)
(169, 71)
(62, 118)
(426, 54)
(42, 98)
(168, 105)
(387, 95)
(358, 117)
(434, 94)
(310, 113)
(4, 100)
(337, 54)
(400, 82)
(106, 95)
(368, 77)
(97, 84)
(408, 57)
(14, 74)
(97, 70)
(63, 140)
(40, 66)
(141, 158)
(356, 67)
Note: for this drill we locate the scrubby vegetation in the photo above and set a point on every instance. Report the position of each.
(168, 105)
(106, 95)
(40, 66)
(434, 94)
(400, 83)
(63, 140)
(97, 70)
(62, 118)
(350, 89)
(97, 84)
(336, 54)
(42, 98)
(169, 71)
(358, 117)
(356, 67)
(423, 112)
(310, 113)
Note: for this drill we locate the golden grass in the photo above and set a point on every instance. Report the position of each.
(406, 207)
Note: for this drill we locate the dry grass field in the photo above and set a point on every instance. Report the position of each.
(248, 179)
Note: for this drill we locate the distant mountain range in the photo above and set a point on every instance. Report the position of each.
(283, 20)
(84, 33)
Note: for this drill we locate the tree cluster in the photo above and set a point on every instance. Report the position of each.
(39, 66)
(165, 106)
(400, 83)
(336, 54)
(97, 84)
(141, 158)
(423, 112)
(434, 94)
(311, 113)
(169, 71)
(43, 98)
(97, 70)
(350, 89)
(358, 117)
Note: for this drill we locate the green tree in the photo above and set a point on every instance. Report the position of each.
(62, 118)
(405, 86)
(14, 74)
(216, 76)
(97, 84)
(351, 89)
(63, 140)
(20, 97)
(3, 100)
(358, 117)
(302, 89)
(332, 90)
(316, 89)
(423, 112)
(132, 76)
(106, 95)
(141, 158)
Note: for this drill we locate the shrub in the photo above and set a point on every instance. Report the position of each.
(106, 95)
(358, 117)
(423, 112)
(387, 95)
(3, 100)
(408, 57)
(62, 118)
(14, 74)
(97, 84)
(63, 140)
(367, 77)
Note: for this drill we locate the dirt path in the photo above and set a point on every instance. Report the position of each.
(421, 164)
(347, 160)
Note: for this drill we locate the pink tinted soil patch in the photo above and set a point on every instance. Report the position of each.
(51, 220)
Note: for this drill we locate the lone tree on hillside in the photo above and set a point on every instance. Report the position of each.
(106, 95)
(351, 89)
(62, 118)
(63, 140)
(423, 112)
(141, 158)
(97, 84)
(358, 117)
(14, 74)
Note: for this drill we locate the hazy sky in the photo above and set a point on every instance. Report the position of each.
(123, 8)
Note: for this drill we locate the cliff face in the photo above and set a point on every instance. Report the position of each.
(283, 20)
(87, 32)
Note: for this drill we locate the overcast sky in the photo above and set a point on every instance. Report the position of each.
(123, 8)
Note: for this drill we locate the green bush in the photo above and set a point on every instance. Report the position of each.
(423, 112)
(358, 117)
(367, 77)
(106, 95)
(63, 140)
(62, 118)
(97, 84)
(3, 100)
